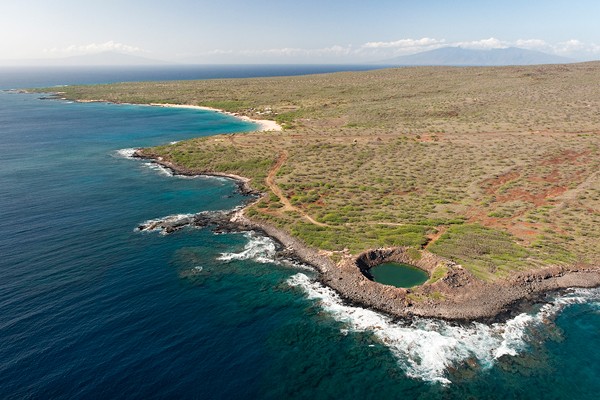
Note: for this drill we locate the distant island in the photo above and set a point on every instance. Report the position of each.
(487, 178)
(458, 56)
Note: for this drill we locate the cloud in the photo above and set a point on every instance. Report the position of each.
(572, 47)
(217, 52)
(594, 48)
(338, 50)
(375, 51)
(370, 50)
(92, 48)
(532, 44)
(483, 44)
(569, 46)
(295, 52)
(404, 43)
(400, 47)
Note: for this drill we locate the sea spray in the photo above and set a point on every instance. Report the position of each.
(263, 249)
(159, 168)
(158, 224)
(125, 153)
(258, 248)
(426, 348)
(129, 153)
(220, 220)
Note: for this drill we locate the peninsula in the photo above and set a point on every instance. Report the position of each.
(487, 178)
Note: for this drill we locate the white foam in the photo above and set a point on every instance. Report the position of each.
(159, 168)
(179, 176)
(258, 248)
(221, 179)
(297, 265)
(129, 152)
(126, 153)
(263, 249)
(425, 348)
(155, 225)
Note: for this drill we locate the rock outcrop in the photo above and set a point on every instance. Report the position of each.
(454, 295)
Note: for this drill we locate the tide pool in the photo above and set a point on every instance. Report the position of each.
(90, 308)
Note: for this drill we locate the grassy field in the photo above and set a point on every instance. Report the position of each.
(496, 168)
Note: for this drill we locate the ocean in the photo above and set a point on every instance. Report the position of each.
(91, 308)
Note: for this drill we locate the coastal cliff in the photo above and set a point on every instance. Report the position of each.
(455, 294)
(501, 187)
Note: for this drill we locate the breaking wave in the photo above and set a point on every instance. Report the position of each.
(426, 348)
(159, 168)
(129, 152)
(258, 248)
(158, 224)
(126, 153)
(262, 249)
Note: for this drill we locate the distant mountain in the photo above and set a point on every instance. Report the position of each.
(108, 58)
(457, 56)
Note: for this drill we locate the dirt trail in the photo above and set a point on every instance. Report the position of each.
(440, 230)
(287, 206)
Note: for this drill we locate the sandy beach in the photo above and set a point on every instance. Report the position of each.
(264, 124)
(455, 295)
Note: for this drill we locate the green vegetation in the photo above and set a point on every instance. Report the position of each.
(414, 253)
(288, 119)
(484, 251)
(226, 105)
(420, 297)
(438, 273)
(220, 157)
(505, 158)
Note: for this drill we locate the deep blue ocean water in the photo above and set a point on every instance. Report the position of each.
(22, 77)
(90, 308)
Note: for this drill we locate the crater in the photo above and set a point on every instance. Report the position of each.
(399, 267)
(398, 274)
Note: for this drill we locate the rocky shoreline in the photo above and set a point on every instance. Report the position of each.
(243, 183)
(456, 295)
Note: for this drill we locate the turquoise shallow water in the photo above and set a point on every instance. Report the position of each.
(90, 308)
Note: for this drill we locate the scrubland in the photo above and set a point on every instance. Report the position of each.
(496, 168)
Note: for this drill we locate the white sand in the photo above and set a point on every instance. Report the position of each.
(264, 124)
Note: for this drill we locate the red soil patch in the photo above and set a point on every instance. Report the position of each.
(537, 199)
(566, 157)
(524, 231)
(553, 177)
(427, 138)
(320, 202)
(494, 183)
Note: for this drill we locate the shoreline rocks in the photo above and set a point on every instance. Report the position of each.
(242, 182)
(457, 295)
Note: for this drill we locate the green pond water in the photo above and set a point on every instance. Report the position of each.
(399, 275)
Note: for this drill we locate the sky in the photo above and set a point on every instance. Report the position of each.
(286, 31)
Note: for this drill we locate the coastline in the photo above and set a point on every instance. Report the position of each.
(456, 296)
(264, 125)
(242, 182)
